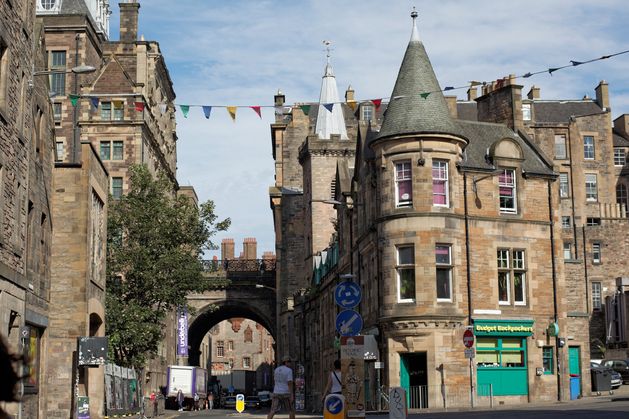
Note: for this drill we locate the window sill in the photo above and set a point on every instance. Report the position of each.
(405, 301)
(444, 300)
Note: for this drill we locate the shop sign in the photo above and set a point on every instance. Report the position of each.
(503, 327)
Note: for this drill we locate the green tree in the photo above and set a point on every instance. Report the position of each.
(155, 242)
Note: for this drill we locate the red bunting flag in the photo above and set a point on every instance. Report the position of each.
(257, 110)
(139, 106)
(376, 102)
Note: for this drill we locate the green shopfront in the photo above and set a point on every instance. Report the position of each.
(501, 356)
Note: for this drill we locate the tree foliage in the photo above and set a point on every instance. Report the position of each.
(155, 242)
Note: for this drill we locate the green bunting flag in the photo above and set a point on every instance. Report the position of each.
(184, 109)
(305, 109)
(425, 95)
(74, 99)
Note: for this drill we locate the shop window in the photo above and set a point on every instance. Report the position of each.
(511, 277)
(507, 191)
(443, 261)
(440, 183)
(588, 147)
(403, 184)
(496, 352)
(560, 147)
(596, 296)
(564, 185)
(547, 360)
(406, 273)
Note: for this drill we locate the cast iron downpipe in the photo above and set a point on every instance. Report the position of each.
(554, 274)
(467, 252)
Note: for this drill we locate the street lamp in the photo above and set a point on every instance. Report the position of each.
(265, 286)
(81, 69)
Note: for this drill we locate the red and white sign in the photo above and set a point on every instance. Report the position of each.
(468, 338)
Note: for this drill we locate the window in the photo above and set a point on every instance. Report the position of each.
(511, 268)
(564, 185)
(58, 80)
(246, 362)
(403, 184)
(220, 348)
(443, 261)
(48, 4)
(591, 192)
(230, 345)
(567, 250)
(621, 196)
(440, 183)
(506, 183)
(406, 273)
(56, 107)
(112, 111)
(106, 148)
(367, 112)
(592, 221)
(588, 147)
(560, 147)
(547, 360)
(596, 253)
(596, 295)
(31, 368)
(61, 151)
(117, 150)
(620, 157)
(565, 221)
(500, 352)
(526, 111)
(116, 187)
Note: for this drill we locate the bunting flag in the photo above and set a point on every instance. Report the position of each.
(351, 104)
(163, 107)
(376, 102)
(425, 95)
(257, 109)
(575, 63)
(232, 112)
(475, 83)
(74, 99)
(94, 101)
(328, 106)
(207, 110)
(552, 70)
(139, 106)
(305, 109)
(184, 109)
(448, 88)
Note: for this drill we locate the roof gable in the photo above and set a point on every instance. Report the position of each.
(113, 78)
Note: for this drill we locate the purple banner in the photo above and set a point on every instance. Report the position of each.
(182, 332)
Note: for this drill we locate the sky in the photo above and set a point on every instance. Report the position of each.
(240, 52)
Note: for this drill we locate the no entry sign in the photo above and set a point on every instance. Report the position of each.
(468, 338)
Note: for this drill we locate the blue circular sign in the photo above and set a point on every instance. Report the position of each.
(347, 294)
(334, 404)
(349, 323)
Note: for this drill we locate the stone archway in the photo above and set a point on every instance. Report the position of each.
(209, 316)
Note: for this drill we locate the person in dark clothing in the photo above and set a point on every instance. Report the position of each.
(8, 383)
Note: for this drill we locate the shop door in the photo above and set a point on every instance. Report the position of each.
(574, 365)
(414, 379)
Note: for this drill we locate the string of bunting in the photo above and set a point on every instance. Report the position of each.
(305, 107)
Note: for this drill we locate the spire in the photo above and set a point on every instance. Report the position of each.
(330, 122)
(408, 112)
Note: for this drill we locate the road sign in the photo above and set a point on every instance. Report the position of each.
(349, 323)
(240, 403)
(347, 294)
(334, 407)
(468, 338)
(470, 353)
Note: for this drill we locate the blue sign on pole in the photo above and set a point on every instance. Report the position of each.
(349, 323)
(334, 404)
(347, 294)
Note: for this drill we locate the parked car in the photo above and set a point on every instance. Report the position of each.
(621, 366)
(229, 402)
(616, 379)
(265, 399)
(252, 402)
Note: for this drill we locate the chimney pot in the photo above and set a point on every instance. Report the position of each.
(129, 21)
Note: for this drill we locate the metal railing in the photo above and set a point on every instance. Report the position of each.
(444, 397)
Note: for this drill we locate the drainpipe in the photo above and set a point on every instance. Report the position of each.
(554, 275)
(75, 112)
(585, 271)
(574, 221)
(469, 279)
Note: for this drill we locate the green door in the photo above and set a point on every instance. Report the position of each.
(405, 379)
(575, 372)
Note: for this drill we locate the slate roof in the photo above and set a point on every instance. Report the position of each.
(467, 111)
(619, 140)
(561, 111)
(482, 135)
(74, 7)
(408, 112)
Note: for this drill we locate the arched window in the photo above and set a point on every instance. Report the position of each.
(621, 195)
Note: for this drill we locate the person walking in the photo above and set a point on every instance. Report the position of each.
(335, 385)
(196, 401)
(210, 400)
(180, 400)
(283, 389)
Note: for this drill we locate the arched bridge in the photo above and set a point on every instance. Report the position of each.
(240, 288)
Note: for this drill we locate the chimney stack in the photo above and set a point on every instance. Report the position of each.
(602, 94)
(250, 248)
(533, 93)
(472, 93)
(279, 98)
(621, 124)
(227, 249)
(349, 94)
(129, 21)
(451, 102)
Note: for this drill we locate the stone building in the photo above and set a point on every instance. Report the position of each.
(26, 155)
(491, 214)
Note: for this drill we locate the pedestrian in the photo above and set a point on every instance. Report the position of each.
(180, 400)
(196, 401)
(335, 385)
(283, 389)
(210, 400)
(153, 399)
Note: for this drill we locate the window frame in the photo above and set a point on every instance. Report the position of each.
(246, 362)
(620, 160)
(442, 177)
(589, 196)
(511, 265)
(559, 146)
(405, 168)
(60, 158)
(564, 185)
(567, 246)
(597, 293)
(565, 221)
(444, 267)
(220, 349)
(503, 265)
(596, 253)
(548, 356)
(519, 270)
(58, 79)
(366, 112)
(513, 209)
(589, 148)
(115, 188)
(526, 112)
(57, 117)
(402, 267)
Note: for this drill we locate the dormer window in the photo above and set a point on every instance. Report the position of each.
(48, 6)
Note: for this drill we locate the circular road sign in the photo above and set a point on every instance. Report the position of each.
(468, 338)
(334, 404)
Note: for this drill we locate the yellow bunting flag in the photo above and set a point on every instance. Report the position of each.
(232, 112)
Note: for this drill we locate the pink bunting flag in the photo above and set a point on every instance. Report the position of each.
(257, 110)
(139, 106)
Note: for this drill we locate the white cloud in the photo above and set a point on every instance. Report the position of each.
(240, 52)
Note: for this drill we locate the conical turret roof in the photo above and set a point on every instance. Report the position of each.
(408, 112)
(330, 122)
